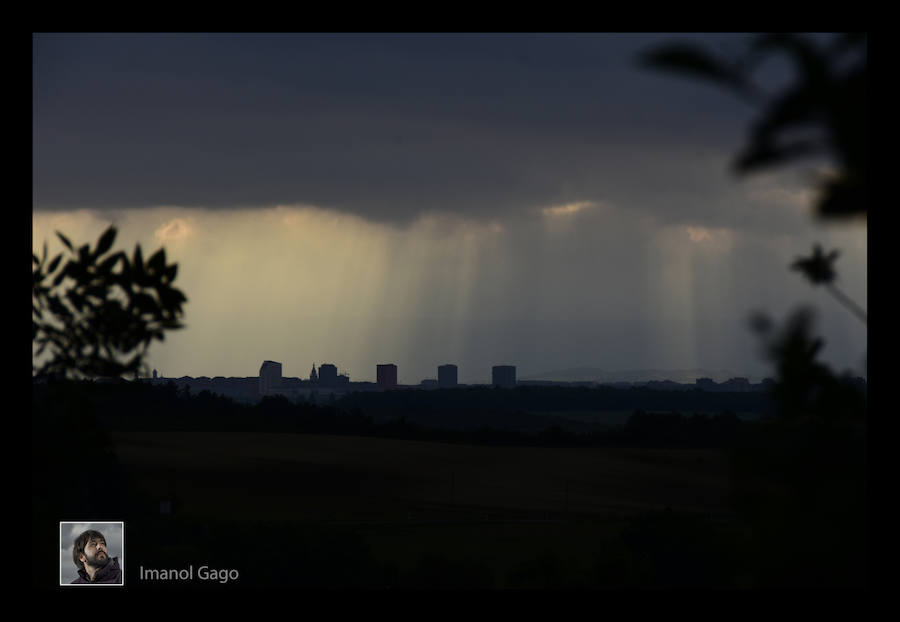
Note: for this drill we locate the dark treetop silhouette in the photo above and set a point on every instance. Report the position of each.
(100, 308)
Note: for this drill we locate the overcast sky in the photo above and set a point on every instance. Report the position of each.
(534, 200)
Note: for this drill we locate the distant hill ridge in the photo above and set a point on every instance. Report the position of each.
(595, 374)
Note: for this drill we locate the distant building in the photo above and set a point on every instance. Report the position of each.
(503, 375)
(328, 376)
(386, 375)
(706, 384)
(154, 374)
(447, 376)
(269, 377)
(313, 376)
(736, 384)
(429, 383)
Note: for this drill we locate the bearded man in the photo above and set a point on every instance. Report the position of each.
(94, 563)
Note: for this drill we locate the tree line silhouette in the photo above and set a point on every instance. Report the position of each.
(163, 407)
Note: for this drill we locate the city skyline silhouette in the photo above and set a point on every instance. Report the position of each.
(540, 200)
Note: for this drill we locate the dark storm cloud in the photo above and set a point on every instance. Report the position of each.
(384, 126)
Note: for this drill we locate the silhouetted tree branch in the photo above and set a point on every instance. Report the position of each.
(805, 387)
(830, 96)
(800, 480)
(99, 308)
(819, 270)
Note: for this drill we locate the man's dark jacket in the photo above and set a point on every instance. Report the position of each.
(110, 573)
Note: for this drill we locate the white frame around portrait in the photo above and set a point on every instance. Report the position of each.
(98, 525)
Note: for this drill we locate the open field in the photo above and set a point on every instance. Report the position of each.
(601, 418)
(613, 418)
(516, 515)
(345, 478)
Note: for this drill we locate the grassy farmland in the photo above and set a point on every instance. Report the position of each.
(346, 478)
(507, 516)
(304, 496)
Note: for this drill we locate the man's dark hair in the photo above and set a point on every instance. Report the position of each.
(80, 542)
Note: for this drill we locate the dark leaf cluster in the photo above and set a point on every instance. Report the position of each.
(829, 97)
(97, 312)
(805, 388)
(818, 267)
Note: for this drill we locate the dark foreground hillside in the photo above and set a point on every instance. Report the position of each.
(332, 498)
